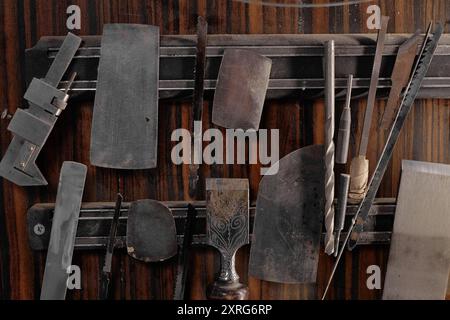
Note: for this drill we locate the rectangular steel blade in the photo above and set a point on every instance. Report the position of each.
(125, 121)
(419, 258)
(64, 229)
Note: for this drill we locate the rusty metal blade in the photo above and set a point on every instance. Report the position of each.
(197, 103)
(400, 76)
(241, 89)
(151, 232)
(125, 121)
(288, 222)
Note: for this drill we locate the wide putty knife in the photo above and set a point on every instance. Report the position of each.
(151, 232)
(125, 121)
(64, 229)
(288, 222)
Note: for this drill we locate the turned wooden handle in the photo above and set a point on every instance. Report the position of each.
(227, 290)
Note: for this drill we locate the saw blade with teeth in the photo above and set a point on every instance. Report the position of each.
(429, 46)
(421, 68)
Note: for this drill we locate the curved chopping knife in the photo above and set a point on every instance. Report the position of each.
(151, 232)
(288, 221)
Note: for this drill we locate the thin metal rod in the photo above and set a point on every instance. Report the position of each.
(373, 87)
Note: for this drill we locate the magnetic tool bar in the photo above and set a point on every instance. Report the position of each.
(95, 221)
(288, 52)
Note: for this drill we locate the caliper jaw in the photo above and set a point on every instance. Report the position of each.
(31, 127)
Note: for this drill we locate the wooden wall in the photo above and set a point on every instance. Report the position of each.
(22, 22)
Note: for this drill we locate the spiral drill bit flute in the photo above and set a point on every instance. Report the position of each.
(329, 146)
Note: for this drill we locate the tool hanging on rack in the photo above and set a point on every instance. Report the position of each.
(400, 76)
(105, 277)
(345, 126)
(419, 257)
(429, 46)
(124, 131)
(151, 231)
(344, 185)
(227, 229)
(64, 230)
(197, 105)
(359, 169)
(329, 145)
(241, 89)
(184, 254)
(31, 127)
(288, 222)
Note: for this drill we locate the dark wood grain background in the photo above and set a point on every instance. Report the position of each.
(426, 137)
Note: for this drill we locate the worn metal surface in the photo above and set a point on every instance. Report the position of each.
(125, 120)
(373, 86)
(419, 258)
(330, 148)
(400, 76)
(151, 232)
(288, 222)
(63, 231)
(227, 230)
(184, 255)
(295, 59)
(31, 127)
(344, 185)
(197, 110)
(428, 50)
(345, 122)
(105, 277)
(241, 89)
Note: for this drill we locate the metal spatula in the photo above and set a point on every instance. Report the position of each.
(151, 232)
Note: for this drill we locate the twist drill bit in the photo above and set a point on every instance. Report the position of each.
(329, 146)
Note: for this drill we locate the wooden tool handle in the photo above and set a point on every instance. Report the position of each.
(222, 290)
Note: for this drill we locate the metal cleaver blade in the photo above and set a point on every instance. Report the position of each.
(241, 89)
(125, 120)
(288, 222)
(151, 232)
